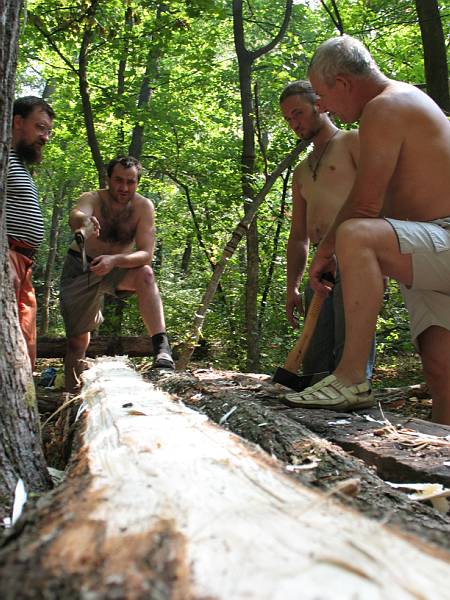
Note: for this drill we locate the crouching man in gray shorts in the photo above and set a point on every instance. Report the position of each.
(394, 223)
(116, 227)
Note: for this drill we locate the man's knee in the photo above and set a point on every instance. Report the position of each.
(145, 277)
(435, 366)
(354, 233)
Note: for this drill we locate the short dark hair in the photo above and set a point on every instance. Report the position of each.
(25, 105)
(302, 87)
(127, 162)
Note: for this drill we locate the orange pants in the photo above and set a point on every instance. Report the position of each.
(26, 299)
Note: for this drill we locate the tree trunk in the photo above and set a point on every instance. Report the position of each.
(120, 110)
(85, 97)
(274, 254)
(186, 258)
(252, 325)
(312, 442)
(55, 347)
(53, 249)
(246, 58)
(146, 91)
(161, 503)
(228, 252)
(434, 52)
(20, 448)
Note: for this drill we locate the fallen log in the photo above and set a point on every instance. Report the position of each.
(159, 502)
(55, 347)
(401, 449)
(248, 404)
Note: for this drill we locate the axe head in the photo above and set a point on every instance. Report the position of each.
(295, 382)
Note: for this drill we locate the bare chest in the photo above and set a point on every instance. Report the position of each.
(117, 226)
(325, 195)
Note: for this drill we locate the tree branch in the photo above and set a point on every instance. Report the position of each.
(268, 47)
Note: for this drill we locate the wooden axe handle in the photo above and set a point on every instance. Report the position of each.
(295, 356)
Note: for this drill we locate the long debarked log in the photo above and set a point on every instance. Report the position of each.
(161, 503)
(248, 404)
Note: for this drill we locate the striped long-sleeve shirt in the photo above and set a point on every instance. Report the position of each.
(24, 220)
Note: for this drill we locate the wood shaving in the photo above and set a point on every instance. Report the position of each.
(409, 438)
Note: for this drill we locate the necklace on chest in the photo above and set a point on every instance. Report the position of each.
(314, 167)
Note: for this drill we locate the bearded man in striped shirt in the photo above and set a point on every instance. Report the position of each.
(31, 129)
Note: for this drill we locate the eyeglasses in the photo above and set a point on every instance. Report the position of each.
(43, 129)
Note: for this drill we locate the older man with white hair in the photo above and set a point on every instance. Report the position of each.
(395, 222)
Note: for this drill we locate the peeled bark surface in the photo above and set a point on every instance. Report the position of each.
(310, 440)
(159, 502)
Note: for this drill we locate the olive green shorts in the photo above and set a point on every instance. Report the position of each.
(81, 295)
(428, 298)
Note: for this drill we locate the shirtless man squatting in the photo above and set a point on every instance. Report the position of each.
(117, 225)
(320, 186)
(395, 222)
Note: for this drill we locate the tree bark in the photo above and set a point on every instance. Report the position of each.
(85, 97)
(21, 453)
(146, 91)
(245, 60)
(276, 240)
(434, 52)
(120, 110)
(52, 347)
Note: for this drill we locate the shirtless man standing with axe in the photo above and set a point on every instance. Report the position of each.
(111, 254)
(395, 222)
(320, 185)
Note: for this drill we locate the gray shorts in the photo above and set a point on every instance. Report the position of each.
(81, 295)
(428, 298)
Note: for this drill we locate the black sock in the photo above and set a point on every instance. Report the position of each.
(160, 343)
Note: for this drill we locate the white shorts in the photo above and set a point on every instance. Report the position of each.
(428, 298)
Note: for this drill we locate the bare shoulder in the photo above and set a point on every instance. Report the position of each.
(349, 140)
(396, 102)
(349, 136)
(88, 200)
(143, 202)
(299, 171)
(144, 206)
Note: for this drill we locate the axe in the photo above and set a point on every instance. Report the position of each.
(287, 375)
(80, 240)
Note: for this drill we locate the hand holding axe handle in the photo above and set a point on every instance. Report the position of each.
(287, 375)
(80, 240)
